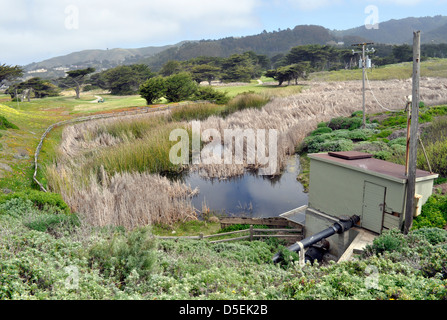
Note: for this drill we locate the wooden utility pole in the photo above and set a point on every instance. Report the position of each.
(363, 45)
(411, 177)
(363, 79)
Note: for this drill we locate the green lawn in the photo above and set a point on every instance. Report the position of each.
(111, 102)
(429, 68)
(18, 145)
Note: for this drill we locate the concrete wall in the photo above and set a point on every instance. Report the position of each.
(318, 221)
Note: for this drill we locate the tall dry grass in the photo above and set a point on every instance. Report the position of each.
(99, 171)
(296, 115)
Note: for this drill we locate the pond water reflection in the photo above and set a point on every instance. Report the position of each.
(250, 195)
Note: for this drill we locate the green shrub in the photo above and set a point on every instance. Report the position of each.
(433, 235)
(321, 130)
(208, 93)
(358, 135)
(425, 117)
(180, 87)
(437, 155)
(358, 113)
(394, 121)
(5, 124)
(398, 149)
(48, 222)
(345, 123)
(383, 134)
(322, 125)
(16, 206)
(40, 199)
(388, 241)
(433, 213)
(237, 227)
(382, 155)
(153, 89)
(398, 141)
(437, 111)
(124, 255)
(440, 180)
(339, 134)
(336, 145)
(325, 142)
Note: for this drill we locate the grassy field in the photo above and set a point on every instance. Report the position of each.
(429, 68)
(18, 145)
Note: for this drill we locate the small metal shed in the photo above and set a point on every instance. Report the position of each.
(355, 183)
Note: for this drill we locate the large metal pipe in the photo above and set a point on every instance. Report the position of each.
(345, 223)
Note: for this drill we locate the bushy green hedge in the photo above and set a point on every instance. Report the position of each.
(40, 199)
(345, 123)
(325, 139)
(208, 93)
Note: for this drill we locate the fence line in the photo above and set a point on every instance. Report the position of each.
(140, 110)
(251, 236)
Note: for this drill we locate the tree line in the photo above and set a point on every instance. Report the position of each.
(298, 63)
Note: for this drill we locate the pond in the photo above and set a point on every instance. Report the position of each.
(250, 195)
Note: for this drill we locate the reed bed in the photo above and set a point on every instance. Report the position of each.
(296, 115)
(107, 171)
(133, 199)
(199, 111)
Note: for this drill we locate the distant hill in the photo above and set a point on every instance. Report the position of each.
(99, 59)
(437, 35)
(267, 43)
(434, 30)
(272, 43)
(400, 31)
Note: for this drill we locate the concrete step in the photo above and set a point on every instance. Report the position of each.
(359, 243)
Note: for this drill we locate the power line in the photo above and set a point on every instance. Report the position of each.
(363, 45)
(372, 92)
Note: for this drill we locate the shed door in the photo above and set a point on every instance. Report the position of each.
(373, 206)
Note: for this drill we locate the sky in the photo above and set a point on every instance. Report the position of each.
(32, 31)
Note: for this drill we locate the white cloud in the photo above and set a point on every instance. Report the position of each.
(40, 27)
(309, 5)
